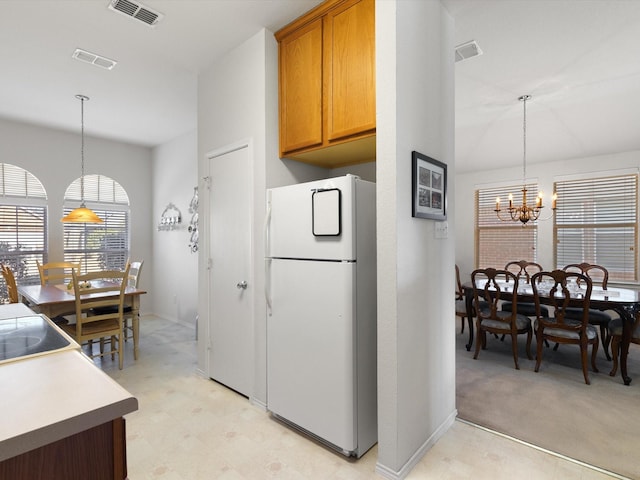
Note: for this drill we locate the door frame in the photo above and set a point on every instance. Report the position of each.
(204, 330)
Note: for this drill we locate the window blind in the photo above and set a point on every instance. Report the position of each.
(23, 224)
(98, 246)
(18, 182)
(23, 239)
(596, 222)
(97, 188)
(500, 242)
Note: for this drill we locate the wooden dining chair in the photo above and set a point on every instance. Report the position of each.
(489, 318)
(555, 288)
(12, 287)
(615, 334)
(130, 330)
(56, 272)
(461, 304)
(96, 290)
(599, 276)
(524, 269)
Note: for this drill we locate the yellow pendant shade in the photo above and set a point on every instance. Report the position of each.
(81, 214)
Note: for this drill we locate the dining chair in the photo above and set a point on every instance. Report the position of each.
(524, 269)
(615, 334)
(461, 304)
(95, 290)
(487, 288)
(130, 330)
(556, 287)
(56, 272)
(12, 287)
(599, 276)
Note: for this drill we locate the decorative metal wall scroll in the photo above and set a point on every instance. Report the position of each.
(193, 224)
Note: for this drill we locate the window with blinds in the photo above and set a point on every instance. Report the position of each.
(98, 246)
(500, 242)
(23, 224)
(596, 222)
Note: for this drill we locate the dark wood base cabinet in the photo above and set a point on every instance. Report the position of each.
(96, 454)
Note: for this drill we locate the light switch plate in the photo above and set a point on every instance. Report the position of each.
(441, 230)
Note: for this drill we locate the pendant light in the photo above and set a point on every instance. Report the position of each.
(81, 214)
(524, 213)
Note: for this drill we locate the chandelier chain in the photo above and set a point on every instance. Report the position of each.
(524, 140)
(524, 212)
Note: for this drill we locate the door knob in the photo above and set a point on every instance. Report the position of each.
(242, 285)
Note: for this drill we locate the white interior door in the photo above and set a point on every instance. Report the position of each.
(231, 324)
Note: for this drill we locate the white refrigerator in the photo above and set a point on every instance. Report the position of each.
(321, 307)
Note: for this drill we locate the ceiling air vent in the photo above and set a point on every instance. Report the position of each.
(94, 59)
(136, 10)
(467, 50)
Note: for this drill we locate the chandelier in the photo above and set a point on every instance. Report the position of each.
(524, 212)
(81, 214)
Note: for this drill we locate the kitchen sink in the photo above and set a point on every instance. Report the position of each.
(23, 337)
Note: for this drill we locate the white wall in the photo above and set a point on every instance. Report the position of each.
(366, 171)
(416, 338)
(53, 156)
(175, 279)
(238, 101)
(545, 174)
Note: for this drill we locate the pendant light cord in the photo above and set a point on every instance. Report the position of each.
(82, 99)
(82, 150)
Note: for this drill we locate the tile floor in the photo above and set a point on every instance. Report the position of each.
(191, 428)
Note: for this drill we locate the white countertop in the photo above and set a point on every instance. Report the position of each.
(49, 397)
(11, 310)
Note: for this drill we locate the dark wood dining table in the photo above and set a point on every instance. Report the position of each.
(624, 301)
(57, 300)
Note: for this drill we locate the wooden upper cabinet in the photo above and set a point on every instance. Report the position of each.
(301, 88)
(327, 84)
(349, 40)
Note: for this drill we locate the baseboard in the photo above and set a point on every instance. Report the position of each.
(185, 323)
(391, 474)
(258, 403)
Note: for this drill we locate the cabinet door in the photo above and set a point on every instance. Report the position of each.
(350, 70)
(301, 88)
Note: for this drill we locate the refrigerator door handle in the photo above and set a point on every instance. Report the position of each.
(267, 226)
(267, 284)
(267, 260)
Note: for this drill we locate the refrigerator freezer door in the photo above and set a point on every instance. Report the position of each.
(311, 348)
(291, 221)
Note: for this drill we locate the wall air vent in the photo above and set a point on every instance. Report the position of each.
(136, 10)
(467, 50)
(94, 59)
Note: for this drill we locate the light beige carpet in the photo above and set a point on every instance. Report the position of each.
(598, 424)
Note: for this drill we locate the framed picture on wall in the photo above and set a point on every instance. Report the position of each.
(429, 182)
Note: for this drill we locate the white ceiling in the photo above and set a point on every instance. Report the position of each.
(150, 96)
(579, 59)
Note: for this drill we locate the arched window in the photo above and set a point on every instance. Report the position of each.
(98, 246)
(23, 224)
